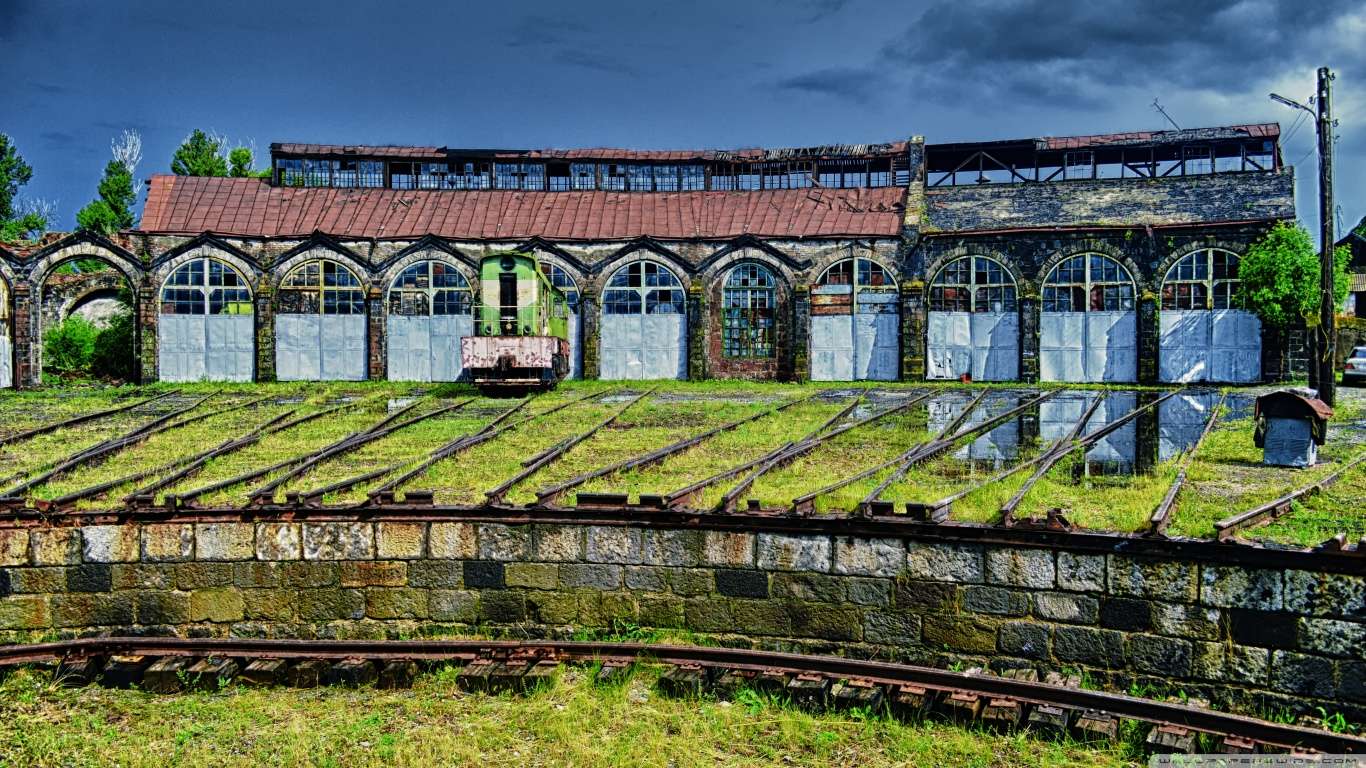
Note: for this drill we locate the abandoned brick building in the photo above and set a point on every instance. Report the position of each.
(1088, 258)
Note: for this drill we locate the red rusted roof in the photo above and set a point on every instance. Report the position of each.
(598, 153)
(252, 207)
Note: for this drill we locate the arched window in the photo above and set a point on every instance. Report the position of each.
(1088, 282)
(868, 272)
(322, 287)
(643, 287)
(205, 286)
(973, 284)
(564, 281)
(747, 305)
(1203, 279)
(430, 288)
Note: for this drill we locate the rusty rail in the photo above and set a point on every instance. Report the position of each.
(1161, 516)
(1271, 510)
(15, 437)
(1055, 453)
(1069, 699)
(911, 457)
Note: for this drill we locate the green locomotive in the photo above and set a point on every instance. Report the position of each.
(521, 327)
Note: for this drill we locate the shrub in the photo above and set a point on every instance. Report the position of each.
(1280, 277)
(113, 356)
(68, 347)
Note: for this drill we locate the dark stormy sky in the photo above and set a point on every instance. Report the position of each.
(705, 73)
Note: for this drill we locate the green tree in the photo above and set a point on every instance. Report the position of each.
(1280, 277)
(200, 155)
(240, 161)
(14, 173)
(113, 209)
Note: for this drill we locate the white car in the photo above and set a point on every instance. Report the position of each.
(1354, 372)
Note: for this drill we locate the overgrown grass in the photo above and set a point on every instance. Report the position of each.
(570, 723)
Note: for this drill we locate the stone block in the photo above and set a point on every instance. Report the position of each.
(91, 610)
(742, 583)
(1165, 656)
(995, 601)
(452, 541)
(932, 561)
(278, 541)
(869, 591)
(724, 548)
(690, 582)
(1100, 647)
(502, 607)
(331, 604)
(339, 541)
(1233, 587)
(760, 617)
(891, 627)
(1032, 568)
(436, 574)
(157, 607)
(504, 542)
(1326, 594)
(1023, 639)
(1081, 573)
(707, 615)
(35, 581)
(546, 607)
(1332, 637)
(217, 605)
(959, 633)
(395, 603)
(825, 621)
(661, 611)
(1126, 614)
(105, 544)
(257, 575)
(453, 605)
(138, 576)
(55, 546)
(1061, 606)
(224, 541)
(269, 604)
(91, 577)
(1189, 621)
(614, 544)
(645, 578)
(14, 546)
(374, 573)
(532, 575)
(1152, 579)
(1245, 664)
(559, 543)
(202, 575)
(400, 541)
(810, 586)
(312, 575)
(926, 595)
(677, 548)
(590, 576)
(1266, 629)
(167, 543)
(781, 552)
(869, 557)
(1302, 675)
(484, 574)
(21, 612)
(1352, 681)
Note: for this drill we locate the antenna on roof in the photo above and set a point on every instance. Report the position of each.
(1159, 108)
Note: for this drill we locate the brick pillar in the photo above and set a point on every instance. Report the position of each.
(801, 333)
(1148, 347)
(913, 321)
(25, 356)
(1146, 435)
(1029, 338)
(375, 346)
(147, 316)
(697, 332)
(265, 332)
(589, 318)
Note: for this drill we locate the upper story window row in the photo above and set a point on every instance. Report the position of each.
(609, 176)
(965, 165)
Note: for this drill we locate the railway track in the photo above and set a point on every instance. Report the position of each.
(1054, 706)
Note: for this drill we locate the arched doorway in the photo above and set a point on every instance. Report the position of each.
(206, 330)
(6, 346)
(430, 309)
(1088, 330)
(855, 323)
(974, 324)
(644, 332)
(79, 344)
(565, 282)
(1203, 338)
(320, 330)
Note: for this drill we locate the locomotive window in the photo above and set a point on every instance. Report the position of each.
(322, 287)
(430, 288)
(205, 286)
(747, 305)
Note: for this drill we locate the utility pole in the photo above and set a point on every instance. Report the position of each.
(1327, 348)
(1323, 343)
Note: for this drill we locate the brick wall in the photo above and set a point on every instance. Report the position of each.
(1247, 639)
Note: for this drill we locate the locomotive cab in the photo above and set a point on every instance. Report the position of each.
(521, 339)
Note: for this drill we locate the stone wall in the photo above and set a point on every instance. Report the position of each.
(1245, 638)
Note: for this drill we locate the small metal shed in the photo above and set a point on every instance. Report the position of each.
(1291, 425)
